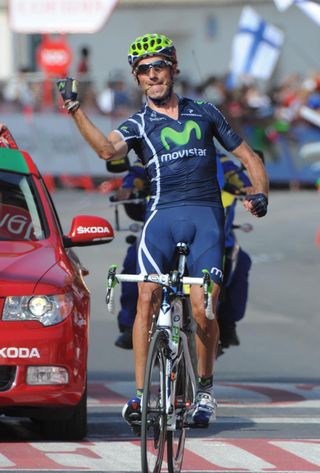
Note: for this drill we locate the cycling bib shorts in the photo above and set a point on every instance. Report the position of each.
(202, 228)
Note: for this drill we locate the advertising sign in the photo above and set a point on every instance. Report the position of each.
(54, 56)
(59, 16)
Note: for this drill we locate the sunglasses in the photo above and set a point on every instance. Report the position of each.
(158, 66)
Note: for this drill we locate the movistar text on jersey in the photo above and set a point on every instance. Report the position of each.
(182, 153)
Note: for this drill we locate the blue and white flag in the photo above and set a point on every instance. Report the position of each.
(255, 49)
(311, 9)
(283, 4)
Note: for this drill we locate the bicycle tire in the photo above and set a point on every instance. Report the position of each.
(176, 439)
(192, 327)
(153, 419)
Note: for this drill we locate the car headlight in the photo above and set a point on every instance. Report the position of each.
(49, 310)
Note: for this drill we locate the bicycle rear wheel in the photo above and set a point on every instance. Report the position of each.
(176, 438)
(153, 421)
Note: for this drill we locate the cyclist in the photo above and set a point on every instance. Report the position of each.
(233, 181)
(173, 137)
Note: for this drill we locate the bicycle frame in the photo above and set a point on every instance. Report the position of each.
(170, 320)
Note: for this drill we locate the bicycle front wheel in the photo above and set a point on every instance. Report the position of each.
(153, 421)
(176, 438)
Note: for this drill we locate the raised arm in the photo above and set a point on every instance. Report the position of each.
(111, 147)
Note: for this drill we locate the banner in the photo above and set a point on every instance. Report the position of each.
(255, 49)
(59, 16)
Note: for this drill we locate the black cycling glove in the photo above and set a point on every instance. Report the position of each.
(69, 92)
(259, 204)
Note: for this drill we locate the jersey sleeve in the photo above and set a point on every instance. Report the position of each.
(130, 133)
(223, 132)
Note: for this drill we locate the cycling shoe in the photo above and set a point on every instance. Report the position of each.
(131, 413)
(205, 409)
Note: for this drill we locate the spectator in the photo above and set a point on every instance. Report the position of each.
(18, 93)
(115, 98)
(214, 91)
(185, 89)
(83, 72)
(83, 67)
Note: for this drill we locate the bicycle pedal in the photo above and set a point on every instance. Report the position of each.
(136, 431)
(136, 427)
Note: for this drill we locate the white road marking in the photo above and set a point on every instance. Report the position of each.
(5, 462)
(308, 451)
(101, 456)
(225, 455)
(119, 456)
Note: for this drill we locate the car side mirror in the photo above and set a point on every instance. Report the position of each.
(89, 230)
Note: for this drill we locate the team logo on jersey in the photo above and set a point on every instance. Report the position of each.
(217, 272)
(180, 138)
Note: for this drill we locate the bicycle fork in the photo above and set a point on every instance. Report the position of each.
(172, 363)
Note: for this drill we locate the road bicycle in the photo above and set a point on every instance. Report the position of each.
(170, 382)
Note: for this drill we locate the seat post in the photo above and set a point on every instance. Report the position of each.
(183, 251)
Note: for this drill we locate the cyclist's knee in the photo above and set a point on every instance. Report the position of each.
(147, 294)
(197, 300)
(198, 313)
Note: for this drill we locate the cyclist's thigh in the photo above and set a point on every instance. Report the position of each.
(207, 248)
(156, 249)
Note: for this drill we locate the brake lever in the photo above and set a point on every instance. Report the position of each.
(206, 285)
(111, 281)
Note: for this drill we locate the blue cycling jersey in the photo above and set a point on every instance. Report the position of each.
(180, 155)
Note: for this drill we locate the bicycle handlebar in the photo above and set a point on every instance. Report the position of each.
(162, 279)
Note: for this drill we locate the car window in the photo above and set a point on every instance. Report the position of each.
(20, 218)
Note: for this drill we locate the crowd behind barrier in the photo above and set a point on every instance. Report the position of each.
(283, 121)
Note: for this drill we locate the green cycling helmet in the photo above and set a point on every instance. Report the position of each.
(151, 45)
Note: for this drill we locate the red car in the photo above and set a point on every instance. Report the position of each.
(44, 301)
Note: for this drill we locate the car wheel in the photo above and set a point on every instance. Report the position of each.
(71, 428)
